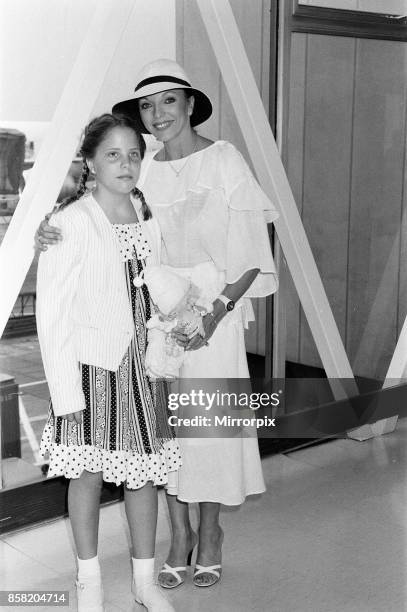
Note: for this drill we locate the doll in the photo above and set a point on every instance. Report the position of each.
(179, 306)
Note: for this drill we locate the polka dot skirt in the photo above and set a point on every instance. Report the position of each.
(125, 432)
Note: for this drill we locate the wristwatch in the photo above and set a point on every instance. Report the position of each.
(229, 304)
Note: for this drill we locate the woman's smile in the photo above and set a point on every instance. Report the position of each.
(162, 125)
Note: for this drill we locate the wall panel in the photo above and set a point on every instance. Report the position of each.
(402, 286)
(348, 176)
(327, 149)
(377, 184)
(198, 59)
(294, 167)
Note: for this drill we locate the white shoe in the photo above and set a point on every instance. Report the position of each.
(150, 596)
(90, 596)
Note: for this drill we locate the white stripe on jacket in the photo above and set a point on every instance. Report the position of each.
(83, 309)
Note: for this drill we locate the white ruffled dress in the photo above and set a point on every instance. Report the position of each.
(213, 217)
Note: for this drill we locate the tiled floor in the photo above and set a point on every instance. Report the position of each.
(330, 535)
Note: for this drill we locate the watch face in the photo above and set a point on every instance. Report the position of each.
(230, 305)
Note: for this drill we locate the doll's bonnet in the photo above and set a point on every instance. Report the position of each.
(166, 288)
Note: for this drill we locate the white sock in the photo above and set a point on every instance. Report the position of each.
(89, 569)
(143, 570)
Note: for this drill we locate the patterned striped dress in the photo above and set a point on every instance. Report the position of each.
(125, 432)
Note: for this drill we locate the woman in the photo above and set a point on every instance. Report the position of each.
(212, 216)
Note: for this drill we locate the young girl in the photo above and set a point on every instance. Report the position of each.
(107, 422)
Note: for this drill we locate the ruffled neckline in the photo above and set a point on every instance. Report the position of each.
(195, 153)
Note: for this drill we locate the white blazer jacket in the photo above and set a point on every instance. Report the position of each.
(83, 309)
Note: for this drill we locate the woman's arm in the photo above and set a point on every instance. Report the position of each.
(234, 292)
(57, 282)
(47, 234)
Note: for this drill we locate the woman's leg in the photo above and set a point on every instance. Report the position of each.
(210, 542)
(83, 508)
(183, 539)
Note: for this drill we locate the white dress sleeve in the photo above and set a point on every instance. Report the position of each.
(57, 281)
(234, 226)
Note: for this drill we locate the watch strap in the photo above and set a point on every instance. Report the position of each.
(224, 299)
(228, 303)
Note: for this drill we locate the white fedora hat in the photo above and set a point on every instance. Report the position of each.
(161, 75)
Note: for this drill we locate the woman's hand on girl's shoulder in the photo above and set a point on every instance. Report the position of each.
(47, 234)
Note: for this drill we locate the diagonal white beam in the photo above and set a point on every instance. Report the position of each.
(398, 364)
(240, 83)
(395, 374)
(72, 113)
(375, 332)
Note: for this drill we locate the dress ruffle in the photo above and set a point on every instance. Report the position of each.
(219, 166)
(134, 469)
(217, 211)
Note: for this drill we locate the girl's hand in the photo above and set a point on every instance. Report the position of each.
(46, 234)
(198, 341)
(74, 416)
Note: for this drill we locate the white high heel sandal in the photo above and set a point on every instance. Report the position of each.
(175, 572)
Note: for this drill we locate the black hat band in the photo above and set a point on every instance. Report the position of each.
(161, 78)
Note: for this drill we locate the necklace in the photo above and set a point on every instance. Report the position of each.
(178, 172)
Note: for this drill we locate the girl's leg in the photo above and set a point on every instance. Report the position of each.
(83, 505)
(83, 508)
(210, 543)
(183, 540)
(141, 511)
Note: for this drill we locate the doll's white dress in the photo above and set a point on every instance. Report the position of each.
(213, 214)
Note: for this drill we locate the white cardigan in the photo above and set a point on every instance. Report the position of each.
(83, 309)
